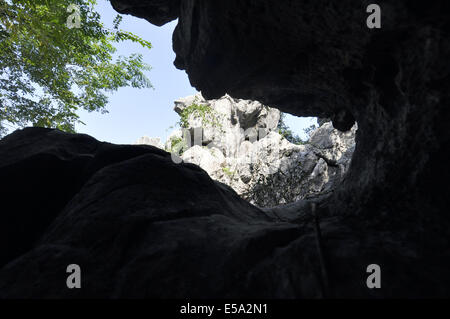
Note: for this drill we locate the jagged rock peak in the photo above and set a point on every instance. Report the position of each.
(237, 142)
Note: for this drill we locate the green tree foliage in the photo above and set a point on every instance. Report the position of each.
(228, 172)
(178, 145)
(48, 71)
(310, 129)
(287, 133)
(203, 111)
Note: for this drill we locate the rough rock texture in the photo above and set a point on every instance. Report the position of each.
(157, 12)
(310, 58)
(138, 224)
(318, 58)
(237, 143)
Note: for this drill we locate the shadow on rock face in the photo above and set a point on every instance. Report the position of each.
(140, 225)
(320, 59)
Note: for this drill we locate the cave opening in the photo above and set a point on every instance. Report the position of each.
(269, 158)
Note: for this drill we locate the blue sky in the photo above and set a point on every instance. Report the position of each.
(137, 112)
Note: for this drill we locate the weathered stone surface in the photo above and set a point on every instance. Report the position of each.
(41, 170)
(238, 145)
(211, 160)
(318, 58)
(153, 141)
(229, 121)
(140, 225)
(132, 218)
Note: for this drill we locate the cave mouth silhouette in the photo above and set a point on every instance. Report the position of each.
(165, 228)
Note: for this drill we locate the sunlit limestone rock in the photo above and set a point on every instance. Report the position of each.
(225, 122)
(211, 160)
(237, 143)
(275, 171)
(154, 141)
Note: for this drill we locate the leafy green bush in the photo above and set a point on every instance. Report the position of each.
(204, 111)
(177, 145)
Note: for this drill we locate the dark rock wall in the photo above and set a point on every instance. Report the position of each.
(319, 58)
(138, 224)
(158, 12)
(41, 170)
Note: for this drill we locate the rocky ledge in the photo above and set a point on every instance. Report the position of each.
(140, 225)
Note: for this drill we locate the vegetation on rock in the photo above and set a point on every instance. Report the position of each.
(228, 172)
(199, 110)
(287, 133)
(177, 145)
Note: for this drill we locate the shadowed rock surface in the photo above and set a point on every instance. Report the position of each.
(318, 58)
(146, 227)
(140, 225)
